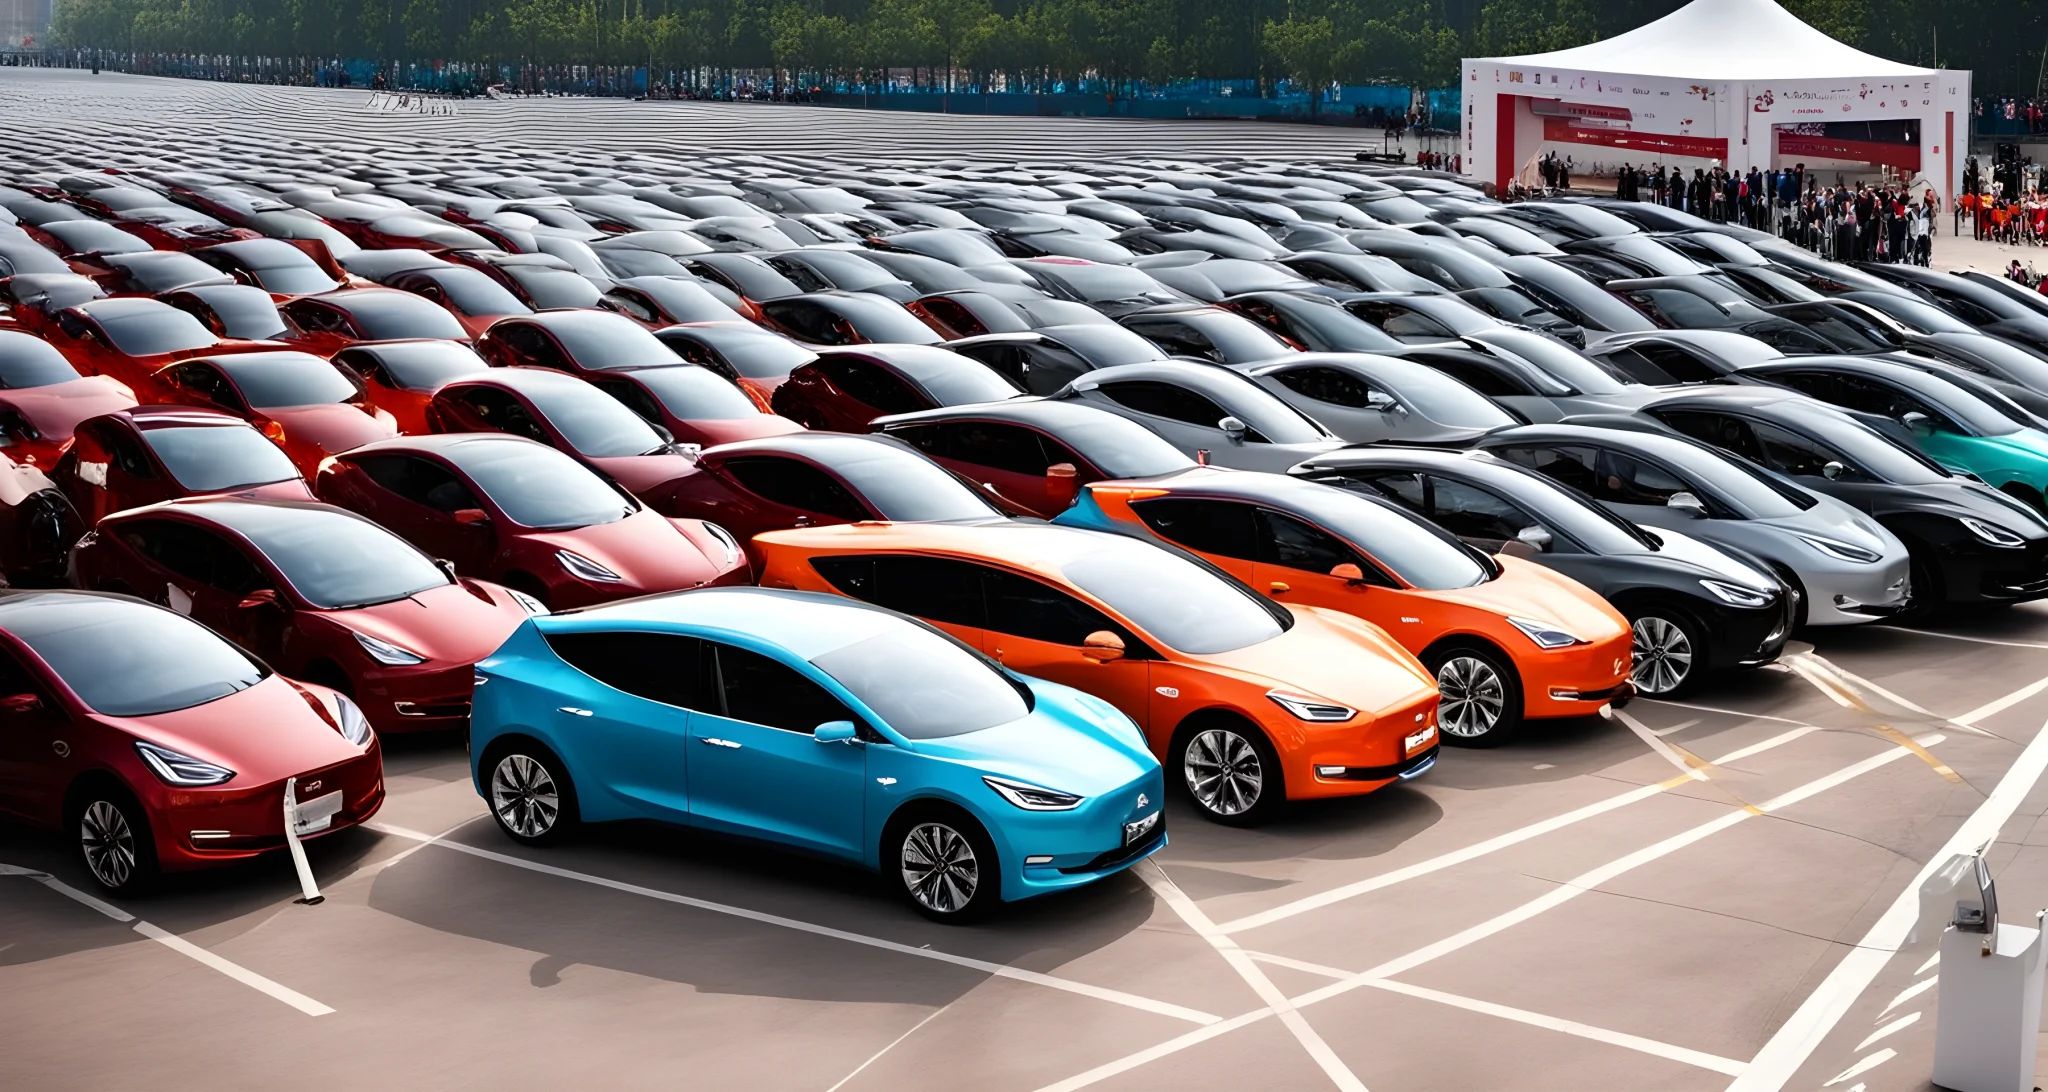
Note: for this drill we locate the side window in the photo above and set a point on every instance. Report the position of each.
(661, 667)
(1049, 367)
(1790, 453)
(316, 318)
(1625, 479)
(804, 276)
(1168, 401)
(629, 301)
(1820, 385)
(532, 344)
(1630, 363)
(1224, 528)
(932, 588)
(1681, 366)
(796, 485)
(125, 452)
(1402, 487)
(365, 367)
(1003, 447)
(762, 691)
(1177, 339)
(499, 410)
(632, 396)
(1479, 377)
(1002, 357)
(1474, 513)
(195, 554)
(420, 481)
(1025, 608)
(1725, 432)
(1574, 466)
(1338, 388)
(872, 384)
(1402, 323)
(1293, 544)
(208, 383)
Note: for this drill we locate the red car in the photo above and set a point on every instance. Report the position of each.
(132, 339)
(232, 310)
(541, 281)
(318, 592)
(276, 266)
(566, 413)
(475, 298)
(159, 746)
(333, 321)
(400, 377)
(305, 405)
(655, 302)
(152, 271)
(148, 454)
(573, 341)
(844, 389)
(528, 517)
(847, 318)
(696, 405)
(756, 360)
(43, 398)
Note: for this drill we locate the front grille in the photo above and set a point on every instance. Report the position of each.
(1122, 854)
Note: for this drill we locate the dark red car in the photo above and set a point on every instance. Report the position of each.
(756, 360)
(153, 271)
(847, 318)
(566, 413)
(43, 398)
(528, 517)
(844, 389)
(232, 311)
(149, 454)
(475, 298)
(333, 321)
(573, 341)
(400, 377)
(318, 592)
(277, 266)
(655, 302)
(541, 281)
(131, 339)
(696, 405)
(160, 747)
(304, 404)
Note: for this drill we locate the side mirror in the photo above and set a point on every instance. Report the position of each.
(1381, 401)
(472, 517)
(261, 597)
(1348, 573)
(1687, 503)
(1530, 541)
(835, 731)
(1832, 470)
(22, 703)
(446, 566)
(1233, 428)
(1919, 423)
(662, 431)
(1102, 647)
(1060, 482)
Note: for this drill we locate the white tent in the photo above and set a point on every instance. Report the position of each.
(1739, 82)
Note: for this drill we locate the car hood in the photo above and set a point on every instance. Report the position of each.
(642, 474)
(1712, 560)
(645, 548)
(1069, 742)
(267, 732)
(1525, 589)
(2027, 443)
(1329, 654)
(56, 410)
(451, 624)
(1833, 519)
(331, 428)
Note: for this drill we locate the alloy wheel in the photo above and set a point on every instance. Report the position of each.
(1663, 655)
(1223, 772)
(524, 796)
(939, 868)
(1473, 697)
(109, 843)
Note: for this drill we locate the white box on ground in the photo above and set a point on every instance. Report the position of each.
(1989, 1020)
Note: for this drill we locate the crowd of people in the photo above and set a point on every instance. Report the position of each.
(1859, 222)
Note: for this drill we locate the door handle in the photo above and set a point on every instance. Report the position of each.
(716, 742)
(1276, 588)
(576, 711)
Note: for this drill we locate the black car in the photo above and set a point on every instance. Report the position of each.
(1206, 333)
(1988, 309)
(1695, 608)
(1044, 361)
(1970, 543)
(1316, 323)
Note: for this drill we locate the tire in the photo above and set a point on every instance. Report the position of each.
(1930, 596)
(1670, 651)
(942, 863)
(1482, 696)
(1798, 592)
(114, 840)
(1230, 771)
(529, 793)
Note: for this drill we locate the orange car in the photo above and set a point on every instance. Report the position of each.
(1506, 638)
(1248, 702)
(400, 377)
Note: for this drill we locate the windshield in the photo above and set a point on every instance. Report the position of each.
(291, 278)
(1866, 447)
(685, 300)
(923, 684)
(274, 383)
(29, 361)
(1923, 318)
(215, 458)
(1120, 447)
(595, 423)
(1236, 337)
(846, 271)
(1105, 346)
(1186, 606)
(125, 659)
(1560, 362)
(1443, 399)
(950, 378)
(1748, 488)
(158, 329)
(553, 287)
(1097, 283)
(332, 559)
(425, 365)
(1420, 553)
(901, 485)
(1970, 411)
(752, 354)
(537, 486)
(475, 293)
(243, 311)
(600, 339)
(391, 315)
(697, 394)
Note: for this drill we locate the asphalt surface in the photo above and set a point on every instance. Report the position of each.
(1696, 896)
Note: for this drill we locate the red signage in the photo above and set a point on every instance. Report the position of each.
(1906, 157)
(1556, 108)
(1562, 131)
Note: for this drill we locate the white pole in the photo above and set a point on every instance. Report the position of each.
(308, 890)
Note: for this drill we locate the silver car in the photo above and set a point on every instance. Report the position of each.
(1212, 413)
(1364, 397)
(1842, 566)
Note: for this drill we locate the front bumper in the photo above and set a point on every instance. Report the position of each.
(202, 828)
(1847, 597)
(1738, 637)
(1352, 759)
(1576, 681)
(1043, 852)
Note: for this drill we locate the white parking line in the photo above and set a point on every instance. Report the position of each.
(176, 943)
(1565, 892)
(2000, 705)
(1493, 844)
(1297, 1025)
(1668, 752)
(1724, 712)
(1795, 1040)
(1961, 637)
(1100, 993)
(1622, 1039)
(877, 1055)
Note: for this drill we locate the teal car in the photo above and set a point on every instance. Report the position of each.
(1976, 433)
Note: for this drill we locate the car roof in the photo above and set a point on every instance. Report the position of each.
(154, 417)
(1040, 548)
(806, 624)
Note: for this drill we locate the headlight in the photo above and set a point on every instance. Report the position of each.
(725, 539)
(1031, 797)
(1546, 636)
(1993, 533)
(583, 568)
(526, 602)
(1841, 551)
(354, 726)
(1736, 593)
(384, 652)
(177, 769)
(1308, 708)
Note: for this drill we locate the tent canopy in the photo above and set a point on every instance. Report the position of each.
(1724, 40)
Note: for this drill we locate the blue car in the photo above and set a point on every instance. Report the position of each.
(821, 723)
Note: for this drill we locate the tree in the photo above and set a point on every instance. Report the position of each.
(1308, 51)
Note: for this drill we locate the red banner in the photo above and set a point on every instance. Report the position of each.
(1563, 131)
(1906, 157)
(1558, 108)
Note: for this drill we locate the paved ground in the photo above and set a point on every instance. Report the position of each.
(1692, 896)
